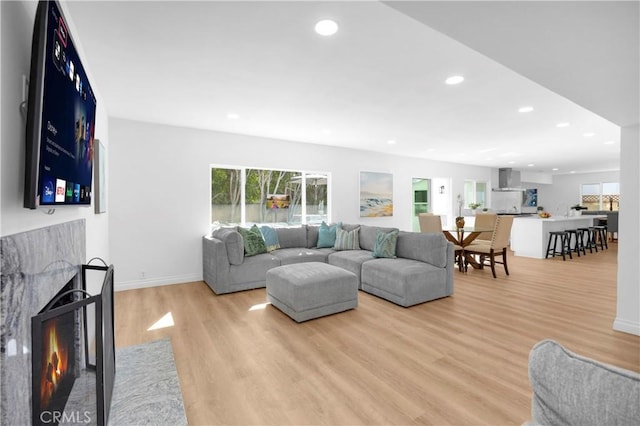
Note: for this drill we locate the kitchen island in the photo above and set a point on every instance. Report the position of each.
(530, 234)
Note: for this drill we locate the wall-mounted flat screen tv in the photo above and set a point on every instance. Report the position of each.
(61, 113)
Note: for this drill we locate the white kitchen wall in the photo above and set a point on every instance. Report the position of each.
(159, 190)
(565, 190)
(17, 31)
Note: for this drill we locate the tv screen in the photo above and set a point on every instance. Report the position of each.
(61, 114)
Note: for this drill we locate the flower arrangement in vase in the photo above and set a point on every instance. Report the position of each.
(460, 218)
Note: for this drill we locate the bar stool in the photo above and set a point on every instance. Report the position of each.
(574, 234)
(553, 235)
(591, 239)
(601, 234)
(586, 241)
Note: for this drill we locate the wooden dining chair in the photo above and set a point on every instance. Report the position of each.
(430, 223)
(487, 221)
(497, 247)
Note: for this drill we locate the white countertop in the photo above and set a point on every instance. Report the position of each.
(559, 218)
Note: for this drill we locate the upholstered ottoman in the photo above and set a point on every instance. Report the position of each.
(306, 291)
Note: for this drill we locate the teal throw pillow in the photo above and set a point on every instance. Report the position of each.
(347, 240)
(327, 234)
(253, 242)
(385, 245)
(270, 237)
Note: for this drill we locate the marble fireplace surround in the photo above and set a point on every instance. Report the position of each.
(35, 266)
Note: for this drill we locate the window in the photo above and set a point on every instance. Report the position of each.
(475, 193)
(600, 196)
(242, 196)
(226, 188)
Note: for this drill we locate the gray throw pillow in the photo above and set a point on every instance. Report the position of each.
(385, 245)
(347, 240)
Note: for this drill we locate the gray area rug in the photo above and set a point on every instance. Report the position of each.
(146, 389)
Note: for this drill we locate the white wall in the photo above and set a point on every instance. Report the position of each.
(159, 191)
(628, 312)
(17, 30)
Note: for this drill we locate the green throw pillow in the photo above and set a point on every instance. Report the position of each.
(270, 238)
(347, 240)
(385, 245)
(253, 241)
(327, 234)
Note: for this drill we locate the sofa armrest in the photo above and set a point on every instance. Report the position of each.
(451, 260)
(215, 264)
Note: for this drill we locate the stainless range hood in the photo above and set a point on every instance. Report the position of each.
(508, 181)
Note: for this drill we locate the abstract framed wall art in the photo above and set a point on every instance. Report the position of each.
(376, 194)
(530, 198)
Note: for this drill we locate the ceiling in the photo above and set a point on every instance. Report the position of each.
(380, 78)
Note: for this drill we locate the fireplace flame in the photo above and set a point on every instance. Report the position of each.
(54, 362)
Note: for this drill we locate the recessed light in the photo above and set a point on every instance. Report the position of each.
(391, 142)
(555, 169)
(572, 171)
(487, 150)
(609, 142)
(511, 162)
(588, 134)
(525, 109)
(456, 79)
(530, 165)
(326, 131)
(326, 27)
(564, 124)
(233, 116)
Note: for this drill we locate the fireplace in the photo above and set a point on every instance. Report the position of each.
(54, 356)
(73, 358)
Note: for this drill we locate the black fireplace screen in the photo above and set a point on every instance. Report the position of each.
(73, 359)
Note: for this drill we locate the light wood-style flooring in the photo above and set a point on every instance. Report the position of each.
(461, 360)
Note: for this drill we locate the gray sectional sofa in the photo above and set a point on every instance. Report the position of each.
(421, 271)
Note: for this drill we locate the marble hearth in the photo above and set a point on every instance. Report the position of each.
(35, 266)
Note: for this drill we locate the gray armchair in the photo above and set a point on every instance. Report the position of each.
(572, 390)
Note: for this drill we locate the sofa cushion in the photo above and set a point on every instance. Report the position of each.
(405, 282)
(253, 242)
(347, 240)
(569, 389)
(327, 234)
(233, 242)
(386, 243)
(295, 236)
(351, 260)
(270, 237)
(425, 247)
(292, 255)
(368, 236)
(253, 270)
(312, 236)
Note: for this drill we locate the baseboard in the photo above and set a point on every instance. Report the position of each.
(626, 326)
(155, 282)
